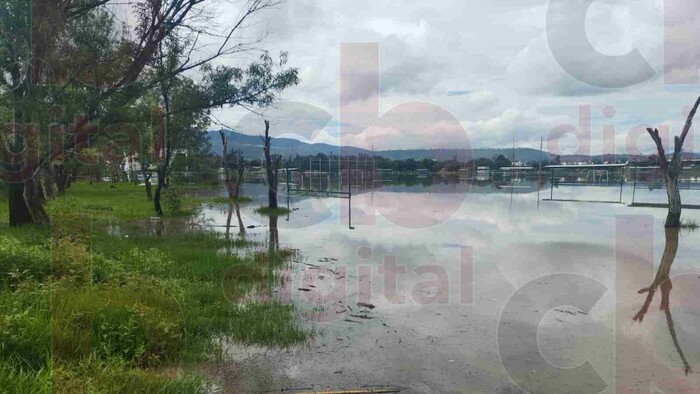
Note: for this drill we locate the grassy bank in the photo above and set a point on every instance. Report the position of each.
(83, 310)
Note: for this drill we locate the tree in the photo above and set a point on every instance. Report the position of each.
(184, 117)
(38, 40)
(500, 161)
(186, 106)
(672, 169)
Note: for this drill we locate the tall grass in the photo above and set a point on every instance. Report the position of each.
(82, 309)
(4, 209)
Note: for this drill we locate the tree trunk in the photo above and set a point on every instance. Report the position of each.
(672, 169)
(675, 207)
(239, 181)
(230, 188)
(47, 178)
(163, 169)
(34, 199)
(19, 212)
(72, 176)
(63, 178)
(159, 189)
(147, 182)
(271, 184)
(60, 173)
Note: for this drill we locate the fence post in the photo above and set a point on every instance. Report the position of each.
(634, 187)
(551, 180)
(622, 181)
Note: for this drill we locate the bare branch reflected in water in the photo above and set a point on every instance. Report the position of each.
(663, 281)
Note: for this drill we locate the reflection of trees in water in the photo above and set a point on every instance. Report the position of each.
(241, 227)
(663, 281)
(274, 239)
(273, 245)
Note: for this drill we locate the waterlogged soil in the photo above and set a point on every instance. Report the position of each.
(474, 289)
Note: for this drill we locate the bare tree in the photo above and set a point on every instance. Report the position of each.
(672, 169)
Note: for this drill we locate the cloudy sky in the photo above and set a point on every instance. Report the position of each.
(486, 72)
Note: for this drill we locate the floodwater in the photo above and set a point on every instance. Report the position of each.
(479, 288)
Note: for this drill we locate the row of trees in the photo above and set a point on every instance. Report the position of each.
(407, 165)
(78, 89)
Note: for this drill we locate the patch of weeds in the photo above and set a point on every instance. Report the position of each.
(82, 310)
(690, 225)
(279, 211)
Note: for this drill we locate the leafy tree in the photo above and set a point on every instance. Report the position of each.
(52, 53)
(500, 161)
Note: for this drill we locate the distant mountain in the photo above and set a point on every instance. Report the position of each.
(251, 146)
(620, 158)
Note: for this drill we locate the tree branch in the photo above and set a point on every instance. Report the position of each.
(689, 122)
(654, 133)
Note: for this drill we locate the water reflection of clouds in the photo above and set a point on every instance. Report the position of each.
(514, 243)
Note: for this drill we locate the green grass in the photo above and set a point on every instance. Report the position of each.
(84, 310)
(272, 211)
(103, 204)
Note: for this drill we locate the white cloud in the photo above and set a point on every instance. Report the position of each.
(494, 57)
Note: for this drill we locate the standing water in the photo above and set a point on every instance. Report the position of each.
(437, 286)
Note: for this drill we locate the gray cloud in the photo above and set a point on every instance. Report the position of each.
(488, 65)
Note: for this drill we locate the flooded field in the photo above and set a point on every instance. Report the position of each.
(461, 287)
